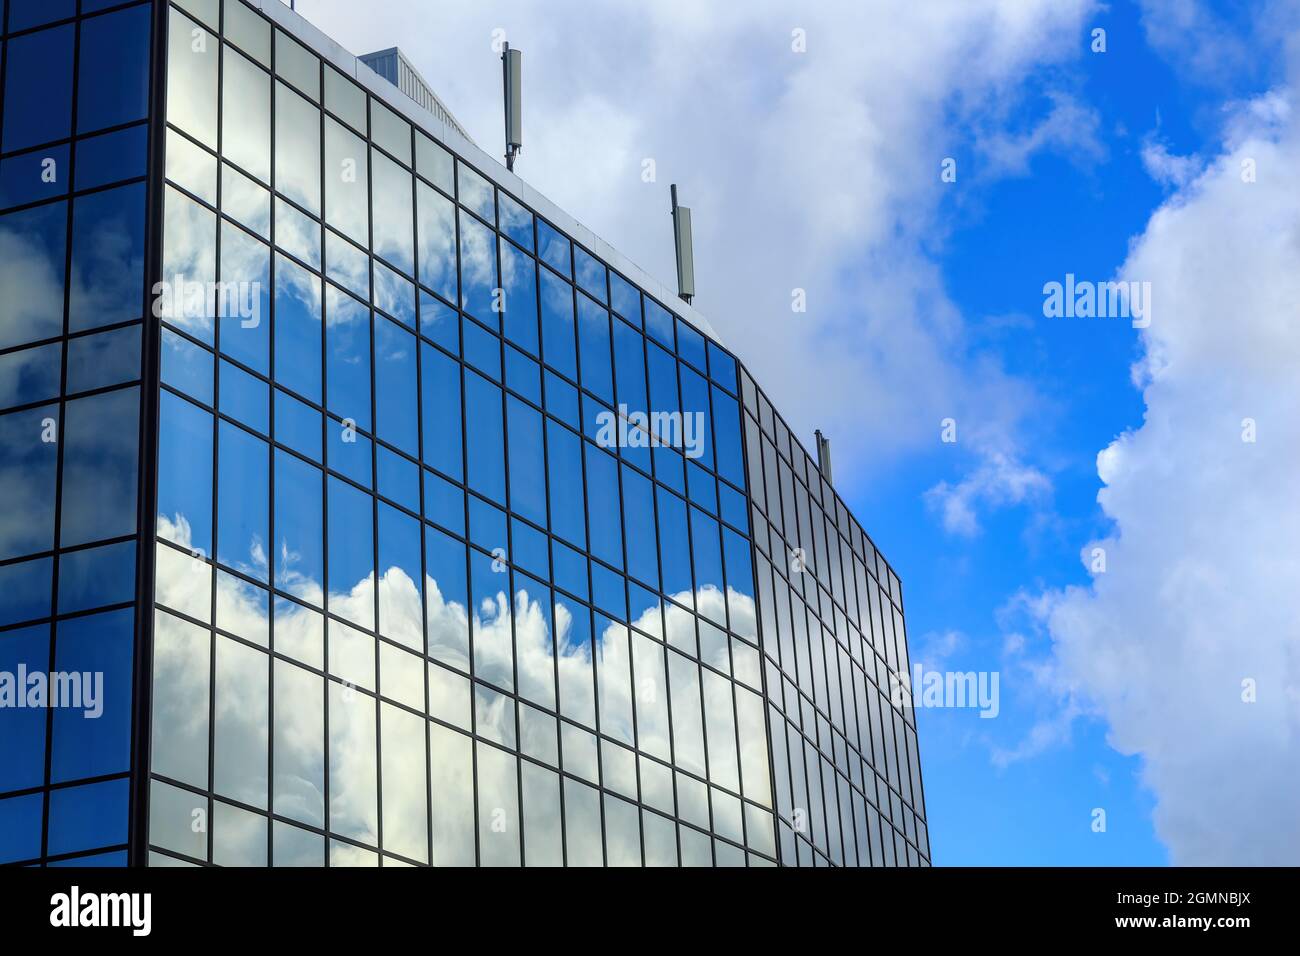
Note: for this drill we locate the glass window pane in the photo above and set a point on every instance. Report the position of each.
(297, 329)
(40, 61)
(603, 511)
(347, 335)
(182, 652)
(405, 789)
(246, 29)
(298, 741)
(297, 234)
(246, 115)
(239, 742)
(590, 273)
(543, 836)
(688, 724)
(434, 163)
(347, 206)
(485, 442)
(296, 64)
(100, 452)
(297, 148)
(516, 221)
(83, 818)
(622, 832)
(245, 306)
(582, 824)
(353, 783)
(554, 248)
(243, 518)
(114, 69)
(519, 302)
(624, 298)
(107, 258)
(96, 653)
(396, 400)
(476, 193)
(478, 272)
(390, 131)
(451, 796)
(593, 340)
(112, 157)
(351, 554)
(653, 735)
(393, 202)
(573, 643)
(527, 461)
(558, 347)
(493, 638)
(437, 229)
(447, 603)
(400, 577)
(345, 99)
(36, 244)
(97, 361)
(190, 264)
(614, 677)
(238, 837)
(564, 469)
(24, 14)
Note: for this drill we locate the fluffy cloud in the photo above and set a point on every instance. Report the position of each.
(1000, 480)
(1188, 644)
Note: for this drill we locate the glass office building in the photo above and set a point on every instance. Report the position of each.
(404, 520)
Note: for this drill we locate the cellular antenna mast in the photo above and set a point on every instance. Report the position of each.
(512, 69)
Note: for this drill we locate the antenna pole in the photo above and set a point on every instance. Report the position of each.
(685, 252)
(512, 85)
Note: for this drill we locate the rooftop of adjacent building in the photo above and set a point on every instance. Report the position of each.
(393, 66)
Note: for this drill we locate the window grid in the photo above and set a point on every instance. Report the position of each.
(78, 766)
(501, 345)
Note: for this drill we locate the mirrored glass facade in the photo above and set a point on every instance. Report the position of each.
(73, 210)
(460, 547)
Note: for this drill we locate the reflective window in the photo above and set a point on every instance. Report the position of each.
(100, 456)
(390, 131)
(298, 552)
(297, 148)
(434, 163)
(37, 240)
(346, 181)
(245, 305)
(437, 231)
(395, 393)
(294, 63)
(558, 347)
(345, 99)
(478, 272)
(476, 193)
(297, 329)
(38, 61)
(246, 114)
(116, 45)
(107, 257)
(393, 219)
(482, 563)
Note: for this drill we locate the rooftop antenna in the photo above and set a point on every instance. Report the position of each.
(685, 250)
(512, 67)
(824, 455)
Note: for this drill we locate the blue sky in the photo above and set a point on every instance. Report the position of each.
(1063, 215)
(819, 170)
